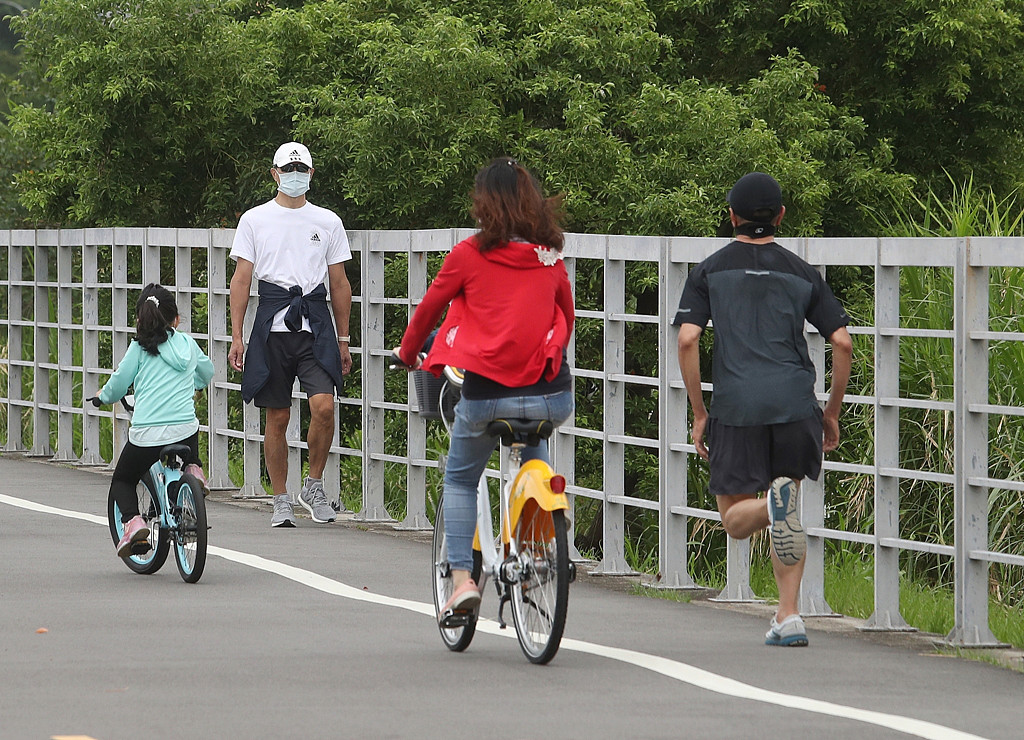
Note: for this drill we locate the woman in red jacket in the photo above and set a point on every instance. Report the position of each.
(508, 325)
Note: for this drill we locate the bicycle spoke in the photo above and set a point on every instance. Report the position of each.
(456, 631)
(540, 599)
(190, 532)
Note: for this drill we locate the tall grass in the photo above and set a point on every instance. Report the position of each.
(965, 210)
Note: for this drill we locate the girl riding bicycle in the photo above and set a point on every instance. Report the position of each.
(166, 367)
(509, 323)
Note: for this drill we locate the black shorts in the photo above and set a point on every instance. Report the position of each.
(290, 356)
(746, 460)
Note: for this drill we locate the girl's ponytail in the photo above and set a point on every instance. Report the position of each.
(155, 313)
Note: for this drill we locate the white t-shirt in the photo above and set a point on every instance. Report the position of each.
(290, 246)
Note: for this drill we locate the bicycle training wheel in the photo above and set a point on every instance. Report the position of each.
(540, 598)
(455, 638)
(150, 561)
(191, 535)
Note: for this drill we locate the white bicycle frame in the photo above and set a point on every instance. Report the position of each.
(511, 461)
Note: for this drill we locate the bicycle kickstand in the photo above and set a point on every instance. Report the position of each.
(505, 598)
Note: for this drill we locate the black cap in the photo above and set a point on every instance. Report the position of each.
(756, 197)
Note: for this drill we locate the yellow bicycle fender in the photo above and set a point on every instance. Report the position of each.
(531, 490)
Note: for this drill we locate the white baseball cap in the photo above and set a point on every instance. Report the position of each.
(293, 151)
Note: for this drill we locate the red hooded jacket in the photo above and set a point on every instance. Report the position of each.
(510, 318)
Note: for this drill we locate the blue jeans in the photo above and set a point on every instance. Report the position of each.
(469, 452)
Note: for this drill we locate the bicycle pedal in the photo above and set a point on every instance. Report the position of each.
(141, 547)
(455, 618)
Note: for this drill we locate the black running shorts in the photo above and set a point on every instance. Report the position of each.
(745, 460)
(290, 356)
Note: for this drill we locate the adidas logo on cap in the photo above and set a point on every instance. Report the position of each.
(292, 151)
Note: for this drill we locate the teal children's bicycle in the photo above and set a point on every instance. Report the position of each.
(172, 503)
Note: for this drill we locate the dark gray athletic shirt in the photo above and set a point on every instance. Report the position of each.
(758, 296)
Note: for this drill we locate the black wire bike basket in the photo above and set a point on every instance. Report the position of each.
(432, 404)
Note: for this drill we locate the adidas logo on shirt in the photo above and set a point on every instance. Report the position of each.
(315, 238)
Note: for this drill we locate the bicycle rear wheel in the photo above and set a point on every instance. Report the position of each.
(457, 638)
(151, 561)
(540, 598)
(191, 535)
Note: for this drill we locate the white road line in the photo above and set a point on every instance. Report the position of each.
(664, 666)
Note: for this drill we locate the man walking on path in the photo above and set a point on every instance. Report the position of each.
(765, 431)
(292, 247)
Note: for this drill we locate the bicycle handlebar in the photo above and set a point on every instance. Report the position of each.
(397, 364)
(128, 402)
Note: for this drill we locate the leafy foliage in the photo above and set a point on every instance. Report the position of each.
(163, 115)
(936, 80)
(157, 110)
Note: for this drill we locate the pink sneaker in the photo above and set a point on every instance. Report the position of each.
(135, 530)
(465, 598)
(197, 472)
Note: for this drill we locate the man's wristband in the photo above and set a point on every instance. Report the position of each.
(344, 339)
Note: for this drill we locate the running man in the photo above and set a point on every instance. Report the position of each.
(765, 431)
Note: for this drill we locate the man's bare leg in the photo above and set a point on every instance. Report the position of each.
(275, 448)
(746, 514)
(742, 515)
(321, 432)
(788, 578)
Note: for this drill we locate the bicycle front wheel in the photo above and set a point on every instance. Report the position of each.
(150, 561)
(455, 638)
(540, 597)
(191, 535)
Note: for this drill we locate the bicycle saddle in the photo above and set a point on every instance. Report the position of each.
(527, 431)
(171, 455)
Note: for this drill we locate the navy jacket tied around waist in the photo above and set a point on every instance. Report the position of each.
(314, 307)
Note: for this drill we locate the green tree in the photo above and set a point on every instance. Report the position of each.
(158, 113)
(166, 115)
(9, 54)
(939, 80)
(411, 102)
(13, 158)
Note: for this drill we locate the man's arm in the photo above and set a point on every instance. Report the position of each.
(689, 364)
(341, 304)
(241, 282)
(842, 354)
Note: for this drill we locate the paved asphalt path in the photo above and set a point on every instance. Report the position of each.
(326, 631)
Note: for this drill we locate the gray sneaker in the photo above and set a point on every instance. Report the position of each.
(789, 633)
(314, 500)
(283, 514)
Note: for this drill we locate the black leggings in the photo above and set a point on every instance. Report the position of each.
(133, 464)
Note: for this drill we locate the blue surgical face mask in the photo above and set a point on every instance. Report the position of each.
(293, 183)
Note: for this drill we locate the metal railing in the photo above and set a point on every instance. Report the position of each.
(71, 292)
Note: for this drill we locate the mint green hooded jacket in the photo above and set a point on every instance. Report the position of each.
(165, 384)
